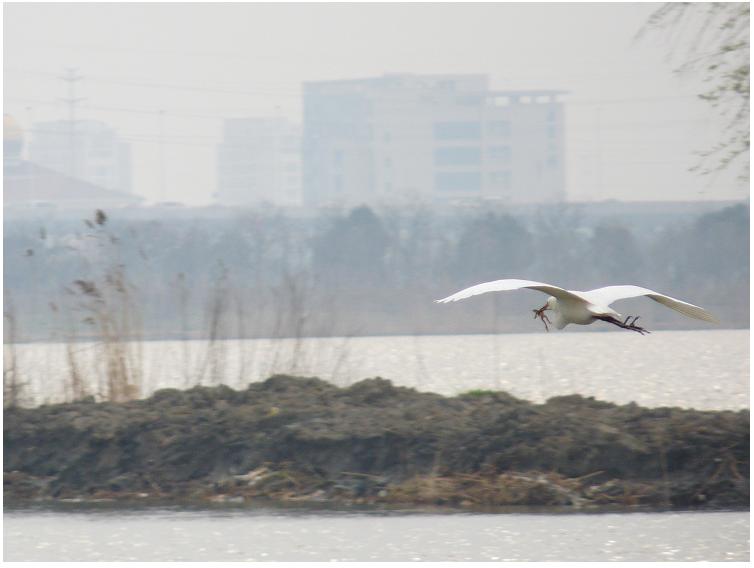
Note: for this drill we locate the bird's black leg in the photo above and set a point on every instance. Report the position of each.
(625, 325)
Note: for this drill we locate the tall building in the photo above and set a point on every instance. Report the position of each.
(259, 161)
(88, 150)
(439, 138)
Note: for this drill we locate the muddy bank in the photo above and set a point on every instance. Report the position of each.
(304, 439)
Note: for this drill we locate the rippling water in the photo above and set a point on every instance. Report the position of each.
(701, 369)
(165, 535)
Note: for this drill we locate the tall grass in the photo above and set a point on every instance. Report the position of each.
(106, 299)
(102, 307)
(13, 387)
(291, 318)
(214, 362)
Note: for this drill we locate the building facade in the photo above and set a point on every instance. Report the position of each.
(88, 150)
(436, 138)
(259, 161)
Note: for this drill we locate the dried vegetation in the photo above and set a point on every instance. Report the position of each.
(297, 439)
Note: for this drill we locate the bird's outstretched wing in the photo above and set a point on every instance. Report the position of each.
(512, 284)
(609, 294)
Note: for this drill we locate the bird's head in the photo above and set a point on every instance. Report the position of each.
(552, 303)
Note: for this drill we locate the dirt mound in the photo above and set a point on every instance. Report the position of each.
(304, 438)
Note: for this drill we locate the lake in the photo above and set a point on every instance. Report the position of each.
(698, 369)
(271, 535)
(707, 369)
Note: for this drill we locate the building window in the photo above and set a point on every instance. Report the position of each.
(499, 179)
(458, 156)
(458, 130)
(499, 128)
(458, 181)
(499, 154)
(100, 151)
(469, 100)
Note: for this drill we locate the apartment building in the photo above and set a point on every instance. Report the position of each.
(433, 138)
(259, 161)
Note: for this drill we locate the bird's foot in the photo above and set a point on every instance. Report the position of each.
(633, 327)
(540, 313)
(628, 323)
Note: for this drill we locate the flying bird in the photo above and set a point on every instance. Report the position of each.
(583, 308)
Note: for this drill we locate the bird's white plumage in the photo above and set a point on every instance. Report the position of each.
(609, 294)
(512, 284)
(574, 306)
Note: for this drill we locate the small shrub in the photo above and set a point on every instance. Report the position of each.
(476, 393)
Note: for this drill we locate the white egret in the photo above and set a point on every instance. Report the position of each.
(583, 308)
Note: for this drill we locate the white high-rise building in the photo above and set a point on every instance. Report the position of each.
(437, 138)
(259, 161)
(87, 149)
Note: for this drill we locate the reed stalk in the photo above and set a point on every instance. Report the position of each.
(12, 386)
(214, 361)
(112, 312)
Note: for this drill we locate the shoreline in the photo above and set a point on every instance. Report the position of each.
(305, 442)
(176, 337)
(271, 506)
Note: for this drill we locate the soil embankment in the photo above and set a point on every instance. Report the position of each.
(303, 439)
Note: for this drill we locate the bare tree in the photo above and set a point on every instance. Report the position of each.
(712, 39)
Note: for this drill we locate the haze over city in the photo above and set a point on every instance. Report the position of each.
(376, 282)
(164, 76)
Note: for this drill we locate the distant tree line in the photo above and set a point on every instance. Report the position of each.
(357, 272)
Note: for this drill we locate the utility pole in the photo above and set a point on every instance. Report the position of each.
(71, 77)
(32, 171)
(162, 156)
(598, 150)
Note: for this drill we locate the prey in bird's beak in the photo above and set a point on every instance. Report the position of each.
(540, 313)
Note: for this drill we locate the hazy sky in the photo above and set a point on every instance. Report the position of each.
(632, 125)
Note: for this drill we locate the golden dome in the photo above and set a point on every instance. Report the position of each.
(13, 138)
(11, 129)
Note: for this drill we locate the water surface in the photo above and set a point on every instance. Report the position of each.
(699, 369)
(238, 535)
(706, 369)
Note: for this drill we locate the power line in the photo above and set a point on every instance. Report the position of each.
(157, 112)
(390, 97)
(172, 86)
(195, 88)
(72, 77)
(154, 112)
